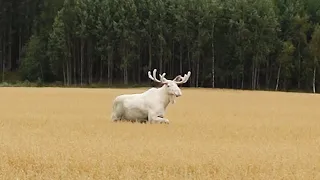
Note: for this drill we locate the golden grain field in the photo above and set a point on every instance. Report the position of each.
(66, 133)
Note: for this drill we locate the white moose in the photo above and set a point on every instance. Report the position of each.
(151, 104)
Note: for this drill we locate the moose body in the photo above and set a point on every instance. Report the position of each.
(150, 105)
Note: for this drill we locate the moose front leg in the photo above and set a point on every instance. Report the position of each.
(157, 119)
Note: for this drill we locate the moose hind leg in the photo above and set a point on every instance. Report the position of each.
(117, 112)
(116, 117)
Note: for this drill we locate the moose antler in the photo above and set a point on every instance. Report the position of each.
(154, 78)
(177, 78)
(183, 79)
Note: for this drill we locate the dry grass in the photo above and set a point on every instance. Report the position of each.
(53, 133)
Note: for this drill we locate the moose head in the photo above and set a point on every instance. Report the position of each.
(171, 86)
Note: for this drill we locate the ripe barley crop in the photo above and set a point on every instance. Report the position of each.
(59, 133)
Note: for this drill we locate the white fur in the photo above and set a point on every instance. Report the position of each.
(149, 105)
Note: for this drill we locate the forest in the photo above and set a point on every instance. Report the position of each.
(237, 44)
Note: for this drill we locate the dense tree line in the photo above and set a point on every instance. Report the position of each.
(245, 44)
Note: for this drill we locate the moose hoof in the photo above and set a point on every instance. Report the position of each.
(166, 122)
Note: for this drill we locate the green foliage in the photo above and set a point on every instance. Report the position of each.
(315, 42)
(254, 44)
(57, 46)
(30, 66)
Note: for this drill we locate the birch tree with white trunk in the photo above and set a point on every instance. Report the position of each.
(284, 61)
(315, 51)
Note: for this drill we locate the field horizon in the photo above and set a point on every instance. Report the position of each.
(67, 133)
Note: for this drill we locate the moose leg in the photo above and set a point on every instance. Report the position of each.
(114, 118)
(117, 112)
(157, 119)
